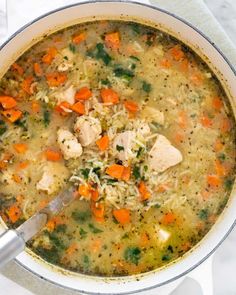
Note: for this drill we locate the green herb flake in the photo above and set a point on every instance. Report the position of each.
(51, 255)
(136, 172)
(136, 28)
(106, 82)
(83, 233)
(140, 151)
(221, 157)
(228, 183)
(123, 73)
(81, 216)
(166, 257)
(132, 255)
(85, 172)
(100, 53)
(146, 87)
(3, 127)
(61, 228)
(46, 117)
(203, 214)
(72, 47)
(134, 58)
(94, 229)
(119, 148)
(86, 262)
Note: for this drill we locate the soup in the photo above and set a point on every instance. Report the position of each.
(141, 129)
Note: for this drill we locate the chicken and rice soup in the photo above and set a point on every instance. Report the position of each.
(141, 129)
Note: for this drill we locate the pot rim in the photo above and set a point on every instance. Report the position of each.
(191, 26)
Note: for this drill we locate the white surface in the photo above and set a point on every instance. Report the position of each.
(225, 258)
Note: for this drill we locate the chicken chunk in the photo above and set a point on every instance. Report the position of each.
(88, 129)
(67, 95)
(68, 144)
(163, 155)
(123, 144)
(54, 175)
(152, 114)
(143, 129)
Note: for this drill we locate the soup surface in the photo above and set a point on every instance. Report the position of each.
(140, 128)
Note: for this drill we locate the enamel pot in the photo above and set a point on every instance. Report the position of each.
(155, 17)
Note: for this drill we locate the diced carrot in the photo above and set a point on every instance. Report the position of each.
(52, 223)
(144, 239)
(43, 203)
(162, 188)
(165, 63)
(186, 246)
(183, 119)
(205, 195)
(184, 65)
(103, 143)
(109, 96)
(22, 165)
(131, 106)
(213, 180)
(84, 190)
(196, 79)
(16, 178)
(53, 156)
(177, 53)
(12, 115)
(8, 102)
(126, 173)
(26, 85)
(98, 210)
(168, 218)
(94, 195)
(77, 39)
(217, 103)
(50, 55)
(35, 106)
(122, 215)
(206, 121)
(144, 193)
(115, 171)
(218, 146)
(37, 69)
(179, 138)
(78, 107)
(96, 245)
(19, 198)
(83, 93)
(220, 169)
(225, 125)
(72, 248)
(62, 108)
(112, 40)
(14, 213)
(20, 148)
(18, 69)
(57, 39)
(5, 159)
(56, 79)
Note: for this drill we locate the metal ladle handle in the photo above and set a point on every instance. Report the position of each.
(11, 244)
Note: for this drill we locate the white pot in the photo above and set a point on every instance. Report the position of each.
(146, 14)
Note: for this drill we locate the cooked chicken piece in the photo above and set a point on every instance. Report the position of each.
(54, 174)
(67, 95)
(153, 115)
(68, 144)
(64, 66)
(163, 235)
(123, 144)
(88, 129)
(144, 129)
(163, 155)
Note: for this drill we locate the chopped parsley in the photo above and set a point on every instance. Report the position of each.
(136, 28)
(46, 117)
(23, 122)
(132, 255)
(134, 58)
(123, 73)
(221, 157)
(3, 127)
(203, 214)
(136, 172)
(61, 228)
(86, 262)
(94, 229)
(140, 151)
(100, 53)
(106, 82)
(81, 216)
(51, 255)
(72, 47)
(166, 257)
(83, 233)
(119, 148)
(146, 87)
(85, 172)
(228, 183)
